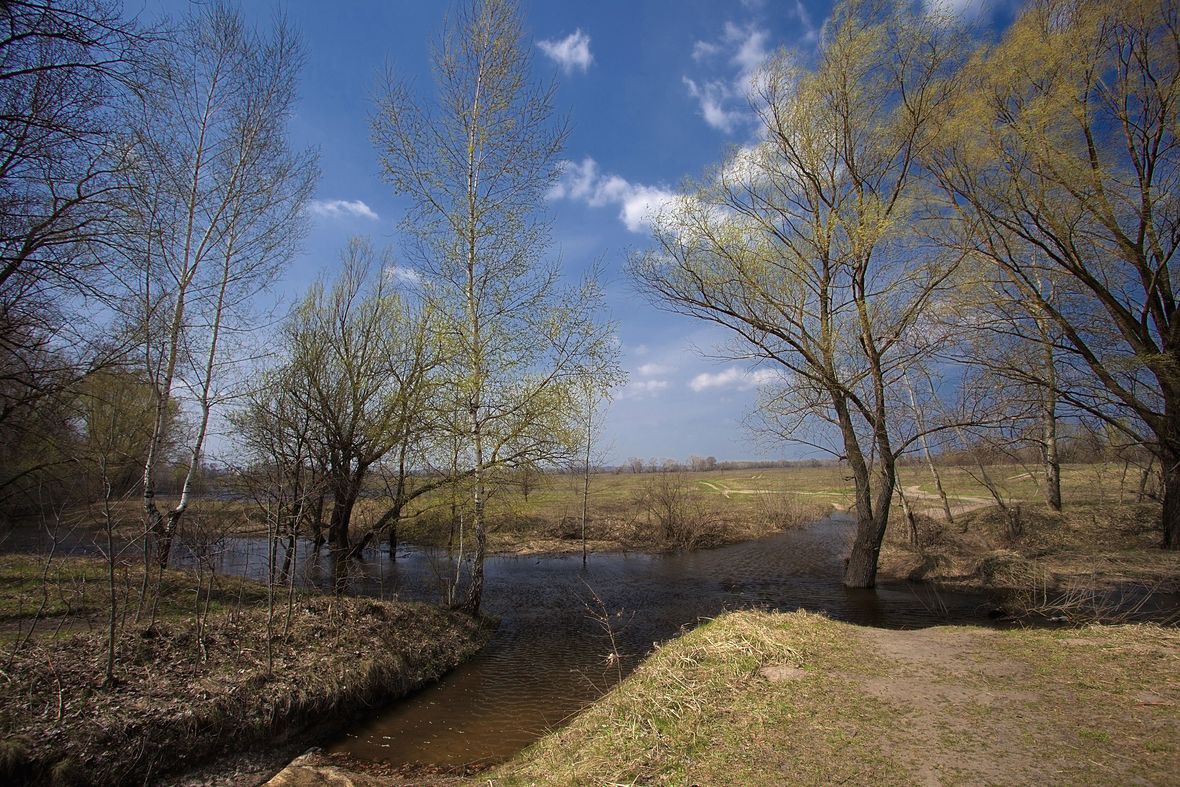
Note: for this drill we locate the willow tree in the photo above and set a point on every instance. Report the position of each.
(805, 246)
(476, 164)
(1061, 156)
(214, 203)
(362, 362)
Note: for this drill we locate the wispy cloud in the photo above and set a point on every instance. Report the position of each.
(714, 98)
(733, 377)
(571, 53)
(653, 369)
(639, 205)
(337, 208)
(810, 31)
(724, 100)
(402, 275)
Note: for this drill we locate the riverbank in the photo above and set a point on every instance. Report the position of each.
(762, 698)
(1089, 563)
(212, 671)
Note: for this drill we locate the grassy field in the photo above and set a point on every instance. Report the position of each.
(624, 507)
(628, 510)
(759, 698)
(1103, 538)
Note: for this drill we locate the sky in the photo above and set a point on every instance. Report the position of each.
(655, 93)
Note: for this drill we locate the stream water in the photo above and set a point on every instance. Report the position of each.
(552, 653)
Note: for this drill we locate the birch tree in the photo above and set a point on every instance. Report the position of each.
(215, 203)
(476, 164)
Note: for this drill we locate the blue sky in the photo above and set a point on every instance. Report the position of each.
(654, 93)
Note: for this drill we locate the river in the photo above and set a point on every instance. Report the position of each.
(552, 652)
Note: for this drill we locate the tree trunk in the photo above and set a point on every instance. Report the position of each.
(165, 535)
(316, 519)
(475, 591)
(861, 569)
(1049, 427)
(1170, 472)
(909, 515)
(1144, 477)
(946, 505)
(1052, 476)
(343, 500)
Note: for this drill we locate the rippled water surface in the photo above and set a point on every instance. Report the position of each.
(551, 654)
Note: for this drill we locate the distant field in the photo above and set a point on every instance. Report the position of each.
(634, 510)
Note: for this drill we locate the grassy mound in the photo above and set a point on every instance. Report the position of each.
(1088, 563)
(758, 698)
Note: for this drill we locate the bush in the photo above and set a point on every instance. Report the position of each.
(681, 520)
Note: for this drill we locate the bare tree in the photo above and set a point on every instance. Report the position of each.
(214, 209)
(804, 245)
(476, 165)
(595, 394)
(65, 66)
(66, 69)
(1006, 348)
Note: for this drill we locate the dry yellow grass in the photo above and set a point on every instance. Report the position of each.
(757, 698)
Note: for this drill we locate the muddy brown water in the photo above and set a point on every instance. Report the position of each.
(552, 653)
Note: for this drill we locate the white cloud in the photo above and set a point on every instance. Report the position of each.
(733, 377)
(653, 369)
(750, 44)
(642, 389)
(639, 205)
(571, 53)
(703, 50)
(336, 208)
(712, 98)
